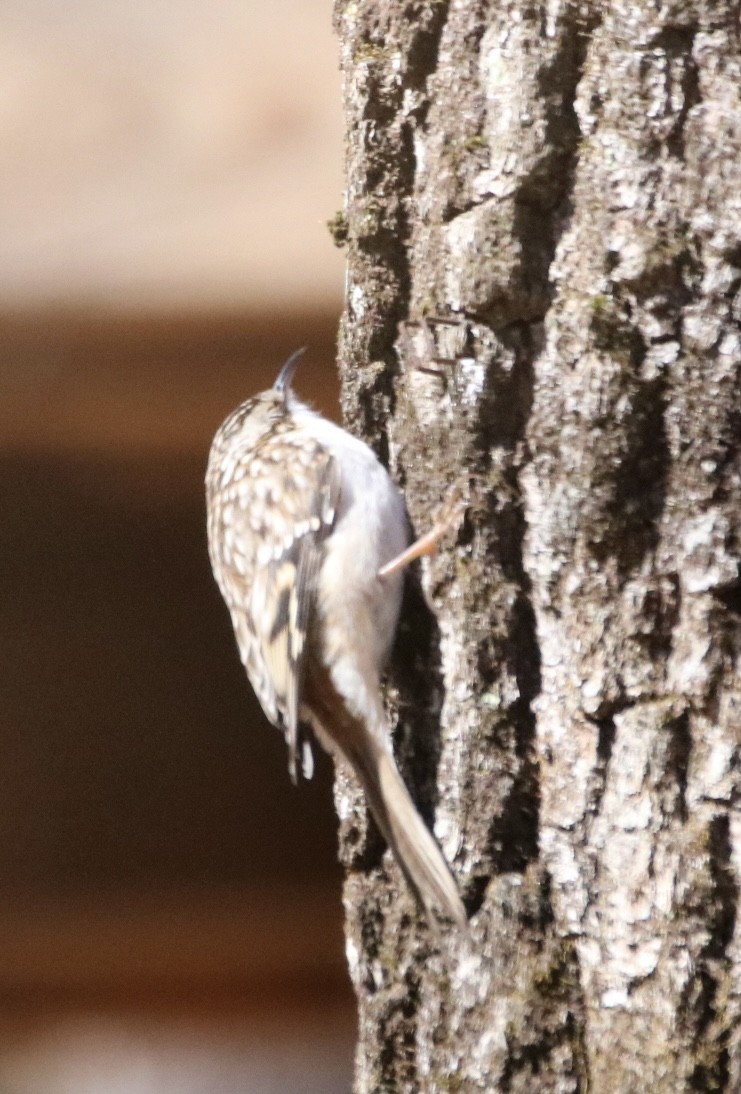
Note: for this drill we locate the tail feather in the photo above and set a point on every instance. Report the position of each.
(395, 813)
(415, 848)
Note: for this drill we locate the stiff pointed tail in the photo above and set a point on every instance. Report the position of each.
(415, 848)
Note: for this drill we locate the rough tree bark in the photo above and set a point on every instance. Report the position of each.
(563, 180)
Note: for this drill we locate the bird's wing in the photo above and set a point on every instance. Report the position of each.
(272, 599)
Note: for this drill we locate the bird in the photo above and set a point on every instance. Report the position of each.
(308, 536)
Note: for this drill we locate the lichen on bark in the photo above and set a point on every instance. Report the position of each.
(561, 181)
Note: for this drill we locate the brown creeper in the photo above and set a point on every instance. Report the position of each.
(302, 519)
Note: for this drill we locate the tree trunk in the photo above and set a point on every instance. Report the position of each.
(562, 181)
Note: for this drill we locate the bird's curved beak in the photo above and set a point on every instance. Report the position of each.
(283, 380)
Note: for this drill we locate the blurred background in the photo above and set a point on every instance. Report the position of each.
(170, 905)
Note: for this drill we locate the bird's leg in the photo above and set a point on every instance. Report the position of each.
(447, 519)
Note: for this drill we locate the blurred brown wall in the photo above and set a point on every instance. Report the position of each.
(136, 760)
(166, 171)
